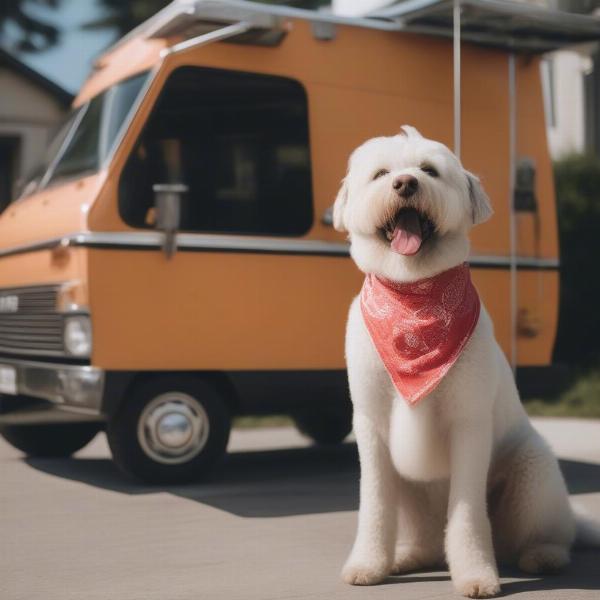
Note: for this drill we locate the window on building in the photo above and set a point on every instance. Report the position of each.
(239, 141)
(9, 152)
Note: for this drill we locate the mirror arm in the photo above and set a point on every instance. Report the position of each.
(168, 204)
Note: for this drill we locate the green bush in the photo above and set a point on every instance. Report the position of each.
(578, 205)
(580, 400)
(577, 179)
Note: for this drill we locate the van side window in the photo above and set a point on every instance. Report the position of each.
(238, 140)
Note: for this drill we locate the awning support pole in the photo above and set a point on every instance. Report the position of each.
(456, 71)
(512, 142)
(217, 35)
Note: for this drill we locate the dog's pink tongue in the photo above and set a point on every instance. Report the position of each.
(407, 234)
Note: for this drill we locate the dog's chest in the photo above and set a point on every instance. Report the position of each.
(418, 440)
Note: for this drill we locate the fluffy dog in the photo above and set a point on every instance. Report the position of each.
(441, 472)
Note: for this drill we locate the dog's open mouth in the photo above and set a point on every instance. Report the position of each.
(408, 231)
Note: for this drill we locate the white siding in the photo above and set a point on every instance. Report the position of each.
(564, 95)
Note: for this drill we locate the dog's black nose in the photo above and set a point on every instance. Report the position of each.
(406, 185)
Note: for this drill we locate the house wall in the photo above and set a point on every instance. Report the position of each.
(29, 114)
(563, 74)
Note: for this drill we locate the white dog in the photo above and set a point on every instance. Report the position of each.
(452, 453)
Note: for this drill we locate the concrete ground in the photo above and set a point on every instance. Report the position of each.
(275, 524)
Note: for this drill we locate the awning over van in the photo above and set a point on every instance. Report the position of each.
(511, 25)
(514, 26)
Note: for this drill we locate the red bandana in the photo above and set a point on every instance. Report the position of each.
(420, 328)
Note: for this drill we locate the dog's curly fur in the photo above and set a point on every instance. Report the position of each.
(438, 478)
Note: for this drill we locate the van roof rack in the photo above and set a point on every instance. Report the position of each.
(502, 24)
(505, 24)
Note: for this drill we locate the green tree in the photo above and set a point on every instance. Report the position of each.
(578, 204)
(35, 34)
(124, 16)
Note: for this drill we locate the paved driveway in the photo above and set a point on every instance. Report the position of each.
(276, 524)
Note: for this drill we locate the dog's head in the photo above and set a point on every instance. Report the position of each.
(408, 206)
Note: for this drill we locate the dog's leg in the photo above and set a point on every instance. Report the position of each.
(372, 554)
(421, 520)
(534, 521)
(469, 549)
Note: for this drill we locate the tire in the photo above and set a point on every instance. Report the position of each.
(172, 429)
(53, 440)
(325, 428)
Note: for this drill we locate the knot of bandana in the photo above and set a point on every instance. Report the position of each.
(419, 329)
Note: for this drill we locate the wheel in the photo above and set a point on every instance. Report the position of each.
(173, 429)
(56, 439)
(325, 427)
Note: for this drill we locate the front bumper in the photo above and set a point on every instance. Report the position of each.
(73, 388)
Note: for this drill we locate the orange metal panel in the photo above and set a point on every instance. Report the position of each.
(537, 311)
(53, 212)
(45, 266)
(133, 57)
(219, 311)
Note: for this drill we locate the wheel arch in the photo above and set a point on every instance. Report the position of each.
(119, 385)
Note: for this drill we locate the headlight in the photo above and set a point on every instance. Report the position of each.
(78, 335)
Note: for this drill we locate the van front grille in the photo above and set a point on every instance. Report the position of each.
(29, 323)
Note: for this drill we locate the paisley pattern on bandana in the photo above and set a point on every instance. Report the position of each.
(419, 329)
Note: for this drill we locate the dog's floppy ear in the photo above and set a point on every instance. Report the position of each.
(410, 131)
(480, 202)
(339, 205)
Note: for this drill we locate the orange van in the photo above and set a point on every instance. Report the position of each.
(174, 264)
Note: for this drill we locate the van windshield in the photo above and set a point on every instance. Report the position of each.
(87, 136)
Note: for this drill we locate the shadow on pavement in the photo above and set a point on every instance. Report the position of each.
(581, 477)
(313, 480)
(270, 483)
(581, 574)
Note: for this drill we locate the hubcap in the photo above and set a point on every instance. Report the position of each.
(173, 428)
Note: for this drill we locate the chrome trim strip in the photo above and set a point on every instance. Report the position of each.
(153, 240)
(481, 260)
(212, 242)
(78, 387)
(31, 247)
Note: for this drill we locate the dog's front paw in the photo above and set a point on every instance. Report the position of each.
(365, 572)
(478, 586)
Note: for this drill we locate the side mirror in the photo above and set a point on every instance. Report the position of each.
(167, 203)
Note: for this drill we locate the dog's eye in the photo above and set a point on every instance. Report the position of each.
(380, 173)
(431, 171)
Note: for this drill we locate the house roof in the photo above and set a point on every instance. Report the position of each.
(12, 62)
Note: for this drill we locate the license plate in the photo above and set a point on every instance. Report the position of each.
(8, 380)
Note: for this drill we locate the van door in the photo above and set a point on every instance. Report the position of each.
(248, 289)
